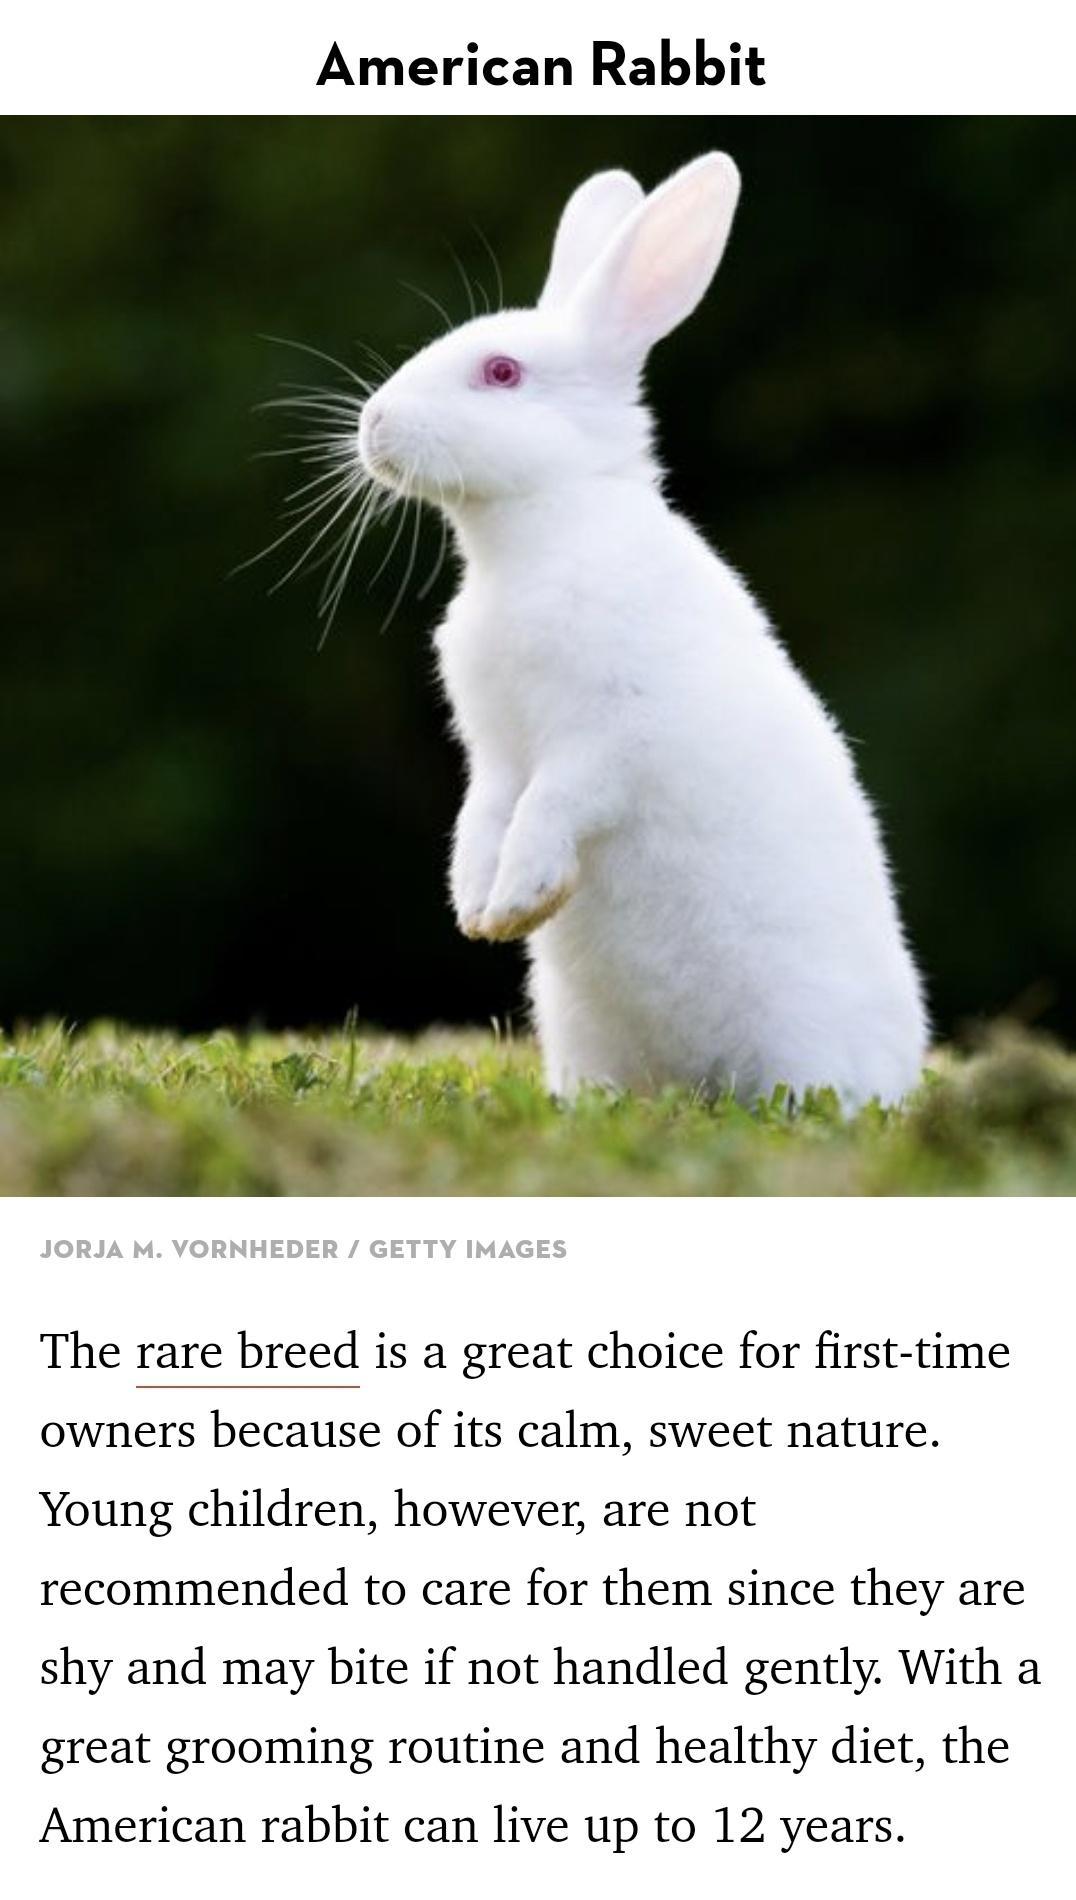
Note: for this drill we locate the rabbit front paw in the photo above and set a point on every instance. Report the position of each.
(469, 912)
(520, 903)
(474, 869)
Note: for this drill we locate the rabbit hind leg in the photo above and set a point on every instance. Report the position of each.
(582, 1043)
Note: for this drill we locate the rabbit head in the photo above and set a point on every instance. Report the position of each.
(521, 400)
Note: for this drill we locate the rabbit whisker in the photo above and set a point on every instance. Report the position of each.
(403, 498)
(317, 405)
(298, 565)
(492, 255)
(316, 505)
(342, 556)
(432, 577)
(344, 397)
(337, 578)
(305, 517)
(468, 287)
(417, 291)
(380, 362)
(309, 448)
(308, 349)
(338, 472)
(411, 558)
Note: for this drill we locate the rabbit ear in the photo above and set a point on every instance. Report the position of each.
(588, 221)
(657, 267)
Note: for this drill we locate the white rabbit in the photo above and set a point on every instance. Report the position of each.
(656, 799)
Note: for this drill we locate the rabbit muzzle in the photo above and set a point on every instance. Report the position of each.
(379, 453)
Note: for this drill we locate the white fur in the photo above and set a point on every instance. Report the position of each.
(656, 799)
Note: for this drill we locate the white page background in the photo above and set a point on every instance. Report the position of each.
(990, 1502)
(835, 56)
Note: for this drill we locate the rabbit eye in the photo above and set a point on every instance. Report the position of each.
(502, 372)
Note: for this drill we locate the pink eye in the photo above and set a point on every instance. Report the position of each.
(502, 372)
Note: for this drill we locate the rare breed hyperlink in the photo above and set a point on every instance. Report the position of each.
(657, 802)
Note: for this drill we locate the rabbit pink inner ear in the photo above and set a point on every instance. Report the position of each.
(657, 268)
(590, 217)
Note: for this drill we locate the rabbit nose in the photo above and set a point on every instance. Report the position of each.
(373, 416)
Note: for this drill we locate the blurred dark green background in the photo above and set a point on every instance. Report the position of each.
(204, 820)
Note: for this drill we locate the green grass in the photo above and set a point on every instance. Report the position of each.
(115, 1111)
